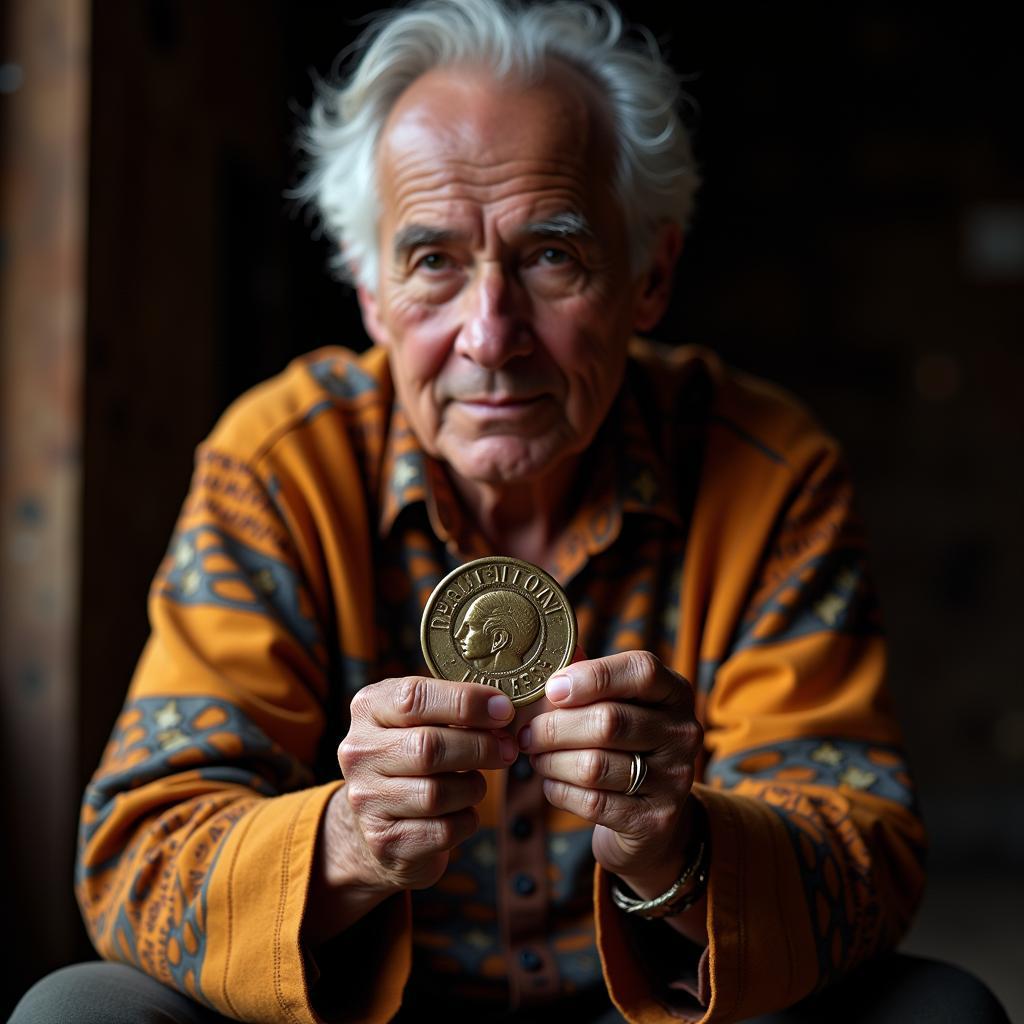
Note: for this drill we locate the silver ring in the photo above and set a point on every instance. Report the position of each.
(637, 774)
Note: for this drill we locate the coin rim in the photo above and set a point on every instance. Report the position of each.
(545, 576)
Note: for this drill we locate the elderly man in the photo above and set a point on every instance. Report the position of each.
(709, 816)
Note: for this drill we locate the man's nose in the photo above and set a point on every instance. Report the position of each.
(494, 329)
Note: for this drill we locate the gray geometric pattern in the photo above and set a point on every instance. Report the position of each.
(274, 585)
(833, 597)
(825, 761)
(340, 378)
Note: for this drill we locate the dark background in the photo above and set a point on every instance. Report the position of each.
(859, 239)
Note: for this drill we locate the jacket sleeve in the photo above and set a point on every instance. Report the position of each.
(817, 848)
(198, 830)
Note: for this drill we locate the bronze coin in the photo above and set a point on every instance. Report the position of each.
(499, 621)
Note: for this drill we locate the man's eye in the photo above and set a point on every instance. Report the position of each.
(554, 257)
(434, 261)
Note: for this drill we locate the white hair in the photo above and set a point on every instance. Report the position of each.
(655, 177)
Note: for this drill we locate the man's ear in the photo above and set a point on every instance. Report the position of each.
(371, 319)
(656, 284)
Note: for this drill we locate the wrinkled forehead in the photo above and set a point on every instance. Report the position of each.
(462, 119)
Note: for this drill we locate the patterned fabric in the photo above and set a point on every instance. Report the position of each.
(715, 529)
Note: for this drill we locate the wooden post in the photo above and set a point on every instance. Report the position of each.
(44, 89)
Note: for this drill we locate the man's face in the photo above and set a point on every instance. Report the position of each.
(505, 297)
(474, 642)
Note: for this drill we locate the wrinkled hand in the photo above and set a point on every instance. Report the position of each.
(611, 708)
(412, 780)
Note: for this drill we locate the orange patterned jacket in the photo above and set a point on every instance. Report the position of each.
(716, 530)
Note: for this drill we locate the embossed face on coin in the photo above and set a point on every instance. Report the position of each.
(499, 621)
(498, 630)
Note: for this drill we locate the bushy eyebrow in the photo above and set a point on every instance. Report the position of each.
(412, 236)
(562, 225)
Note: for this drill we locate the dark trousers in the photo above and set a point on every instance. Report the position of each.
(894, 989)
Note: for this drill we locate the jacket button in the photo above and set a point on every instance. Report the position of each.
(522, 827)
(530, 960)
(524, 885)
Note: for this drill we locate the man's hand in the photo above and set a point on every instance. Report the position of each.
(604, 711)
(412, 780)
(411, 761)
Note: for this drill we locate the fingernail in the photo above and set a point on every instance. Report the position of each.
(500, 708)
(525, 735)
(509, 751)
(558, 687)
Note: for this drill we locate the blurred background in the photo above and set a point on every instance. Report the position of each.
(859, 239)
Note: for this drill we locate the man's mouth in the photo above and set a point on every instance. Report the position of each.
(498, 405)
